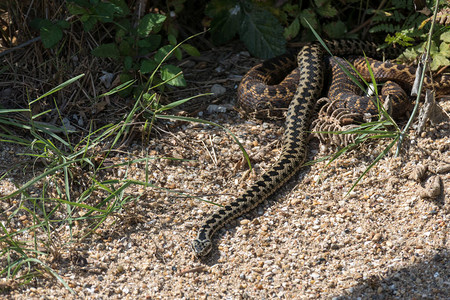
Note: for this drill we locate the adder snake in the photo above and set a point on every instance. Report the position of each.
(307, 82)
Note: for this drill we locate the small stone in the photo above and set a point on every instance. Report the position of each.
(376, 237)
(218, 90)
(244, 222)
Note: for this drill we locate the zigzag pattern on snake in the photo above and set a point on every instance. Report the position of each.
(308, 85)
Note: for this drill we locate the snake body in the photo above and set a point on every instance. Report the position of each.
(264, 90)
(293, 154)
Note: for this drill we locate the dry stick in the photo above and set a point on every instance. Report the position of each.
(20, 46)
(425, 61)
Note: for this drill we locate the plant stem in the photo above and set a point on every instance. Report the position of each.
(424, 61)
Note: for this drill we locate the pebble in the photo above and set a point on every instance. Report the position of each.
(218, 89)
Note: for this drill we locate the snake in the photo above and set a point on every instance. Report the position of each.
(304, 86)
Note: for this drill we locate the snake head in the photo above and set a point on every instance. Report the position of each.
(201, 247)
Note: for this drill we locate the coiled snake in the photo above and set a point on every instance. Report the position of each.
(308, 84)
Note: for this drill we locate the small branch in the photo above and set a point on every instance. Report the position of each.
(20, 46)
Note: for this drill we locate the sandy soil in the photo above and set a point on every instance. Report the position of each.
(386, 240)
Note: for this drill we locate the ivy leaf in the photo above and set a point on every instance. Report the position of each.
(170, 71)
(262, 34)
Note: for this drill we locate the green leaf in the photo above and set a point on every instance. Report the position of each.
(178, 54)
(88, 22)
(225, 25)
(121, 7)
(51, 34)
(292, 30)
(438, 61)
(191, 50)
(215, 7)
(168, 72)
(105, 11)
(335, 30)
(162, 52)
(127, 63)
(151, 42)
(106, 50)
(125, 48)
(147, 66)
(172, 39)
(310, 16)
(326, 10)
(63, 24)
(76, 9)
(444, 49)
(150, 23)
(262, 34)
(445, 36)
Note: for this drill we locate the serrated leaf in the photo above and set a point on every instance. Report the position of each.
(168, 72)
(444, 49)
(225, 25)
(147, 66)
(445, 36)
(335, 30)
(438, 61)
(150, 23)
(191, 50)
(327, 10)
(262, 34)
(51, 34)
(215, 7)
(292, 30)
(310, 16)
(106, 50)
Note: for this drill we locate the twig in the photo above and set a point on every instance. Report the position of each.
(20, 46)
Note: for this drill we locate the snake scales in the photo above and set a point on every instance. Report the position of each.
(307, 82)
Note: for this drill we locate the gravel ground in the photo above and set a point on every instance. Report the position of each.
(389, 239)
